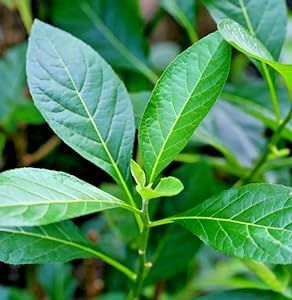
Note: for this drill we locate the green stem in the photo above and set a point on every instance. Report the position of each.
(272, 91)
(24, 8)
(161, 222)
(266, 71)
(273, 141)
(143, 264)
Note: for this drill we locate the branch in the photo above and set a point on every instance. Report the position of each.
(44, 150)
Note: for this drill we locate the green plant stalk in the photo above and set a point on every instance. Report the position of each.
(24, 7)
(265, 274)
(273, 142)
(272, 91)
(266, 71)
(143, 264)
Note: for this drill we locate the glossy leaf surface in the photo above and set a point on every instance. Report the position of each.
(265, 19)
(180, 100)
(251, 222)
(241, 39)
(167, 187)
(81, 98)
(30, 197)
(60, 242)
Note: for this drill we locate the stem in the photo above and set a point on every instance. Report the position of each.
(272, 90)
(161, 222)
(273, 141)
(29, 159)
(143, 264)
(266, 71)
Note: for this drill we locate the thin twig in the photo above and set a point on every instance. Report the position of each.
(44, 150)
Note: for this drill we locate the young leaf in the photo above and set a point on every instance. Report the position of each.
(167, 187)
(250, 222)
(82, 99)
(180, 100)
(30, 197)
(265, 19)
(138, 173)
(60, 242)
(107, 27)
(242, 40)
(184, 11)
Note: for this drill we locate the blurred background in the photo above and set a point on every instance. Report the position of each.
(223, 148)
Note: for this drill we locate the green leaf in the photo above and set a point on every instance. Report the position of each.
(250, 222)
(113, 28)
(169, 186)
(239, 137)
(180, 100)
(184, 12)
(59, 242)
(30, 197)
(265, 19)
(241, 39)
(82, 99)
(138, 173)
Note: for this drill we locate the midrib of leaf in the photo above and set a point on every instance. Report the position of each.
(231, 221)
(121, 204)
(106, 200)
(100, 255)
(87, 9)
(124, 185)
(178, 116)
(173, 219)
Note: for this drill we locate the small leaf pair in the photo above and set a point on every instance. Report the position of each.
(167, 186)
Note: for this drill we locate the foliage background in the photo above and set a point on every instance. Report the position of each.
(227, 143)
